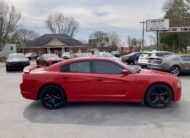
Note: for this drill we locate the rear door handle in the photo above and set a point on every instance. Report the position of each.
(99, 79)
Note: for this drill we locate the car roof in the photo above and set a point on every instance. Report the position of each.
(90, 58)
(78, 60)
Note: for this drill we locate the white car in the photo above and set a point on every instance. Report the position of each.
(66, 55)
(144, 58)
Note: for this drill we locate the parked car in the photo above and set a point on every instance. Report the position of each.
(48, 59)
(78, 55)
(16, 61)
(115, 53)
(98, 80)
(175, 64)
(131, 58)
(105, 54)
(31, 55)
(66, 55)
(143, 60)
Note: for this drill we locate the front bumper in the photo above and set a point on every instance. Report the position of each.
(17, 65)
(177, 94)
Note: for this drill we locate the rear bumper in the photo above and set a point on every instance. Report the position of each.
(142, 64)
(28, 91)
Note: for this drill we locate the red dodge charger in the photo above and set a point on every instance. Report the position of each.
(98, 80)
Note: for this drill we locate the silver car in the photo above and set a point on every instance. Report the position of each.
(144, 57)
(175, 64)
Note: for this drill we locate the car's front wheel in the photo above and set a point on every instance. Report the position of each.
(159, 96)
(52, 97)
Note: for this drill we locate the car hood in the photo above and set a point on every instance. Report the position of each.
(156, 73)
(17, 60)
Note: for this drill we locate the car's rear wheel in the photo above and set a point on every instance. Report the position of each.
(175, 70)
(159, 96)
(52, 97)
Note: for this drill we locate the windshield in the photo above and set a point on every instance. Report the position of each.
(132, 69)
(16, 56)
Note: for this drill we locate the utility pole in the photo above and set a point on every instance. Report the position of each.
(143, 22)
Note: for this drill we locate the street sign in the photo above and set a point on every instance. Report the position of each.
(157, 25)
(179, 29)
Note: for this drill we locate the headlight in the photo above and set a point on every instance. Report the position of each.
(178, 84)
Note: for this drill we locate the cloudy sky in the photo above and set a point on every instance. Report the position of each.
(122, 16)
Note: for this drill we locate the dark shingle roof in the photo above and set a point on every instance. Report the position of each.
(44, 39)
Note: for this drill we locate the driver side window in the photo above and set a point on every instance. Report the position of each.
(106, 67)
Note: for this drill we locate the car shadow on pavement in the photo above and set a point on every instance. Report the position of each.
(107, 114)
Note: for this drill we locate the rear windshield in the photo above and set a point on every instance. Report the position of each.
(163, 54)
(145, 55)
(16, 56)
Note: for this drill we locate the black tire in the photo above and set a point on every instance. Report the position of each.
(159, 96)
(175, 70)
(52, 97)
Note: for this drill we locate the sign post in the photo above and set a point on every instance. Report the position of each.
(157, 25)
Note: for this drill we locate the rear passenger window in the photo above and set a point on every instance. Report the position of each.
(78, 67)
(185, 58)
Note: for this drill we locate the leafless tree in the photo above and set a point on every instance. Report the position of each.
(100, 38)
(9, 19)
(59, 24)
(114, 39)
(24, 35)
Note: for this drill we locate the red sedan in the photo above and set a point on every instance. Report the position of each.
(98, 80)
(48, 59)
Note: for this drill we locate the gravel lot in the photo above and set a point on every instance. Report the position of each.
(24, 118)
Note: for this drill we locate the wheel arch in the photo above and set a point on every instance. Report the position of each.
(158, 83)
(176, 65)
(47, 84)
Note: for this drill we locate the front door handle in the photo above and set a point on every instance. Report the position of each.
(99, 79)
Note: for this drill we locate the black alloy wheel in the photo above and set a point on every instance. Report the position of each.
(52, 97)
(159, 96)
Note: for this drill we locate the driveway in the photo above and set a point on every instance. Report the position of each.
(24, 118)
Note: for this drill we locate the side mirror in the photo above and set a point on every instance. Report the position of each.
(125, 72)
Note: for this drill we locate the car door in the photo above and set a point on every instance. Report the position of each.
(77, 80)
(109, 83)
(186, 63)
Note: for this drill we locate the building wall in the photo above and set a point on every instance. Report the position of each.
(77, 49)
(39, 51)
(7, 49)
(44, 50)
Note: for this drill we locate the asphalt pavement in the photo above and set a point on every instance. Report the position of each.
(20, 118)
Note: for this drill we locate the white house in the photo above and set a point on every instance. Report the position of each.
(7, 49)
